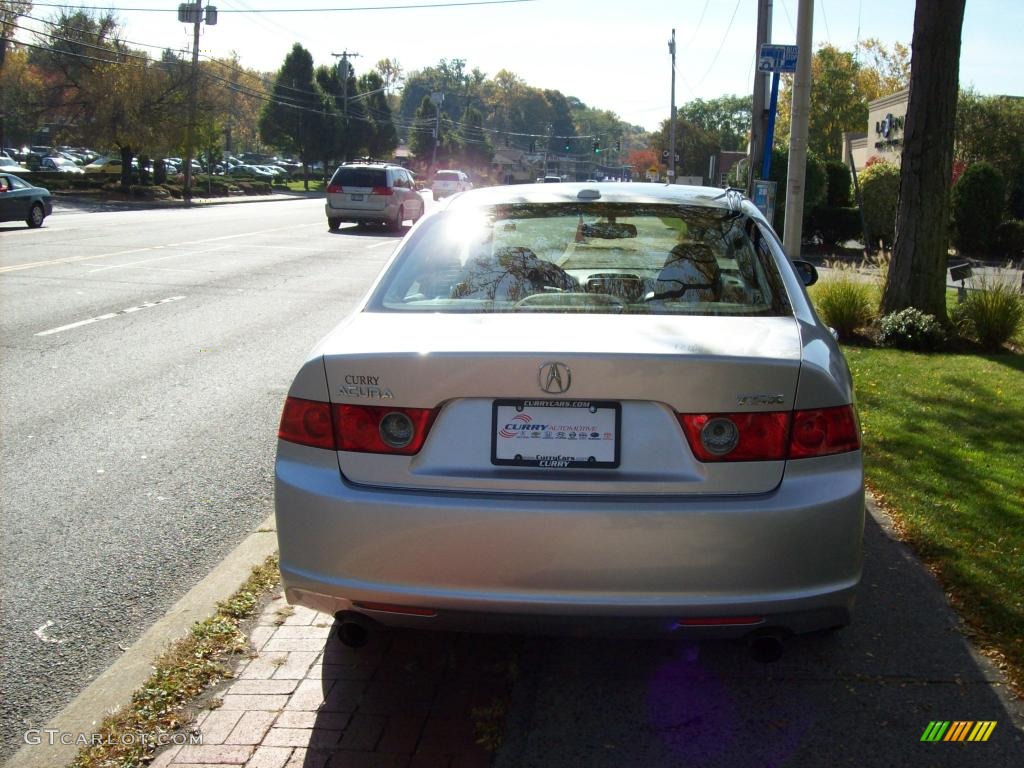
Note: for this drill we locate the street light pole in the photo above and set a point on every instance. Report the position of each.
(672, 118)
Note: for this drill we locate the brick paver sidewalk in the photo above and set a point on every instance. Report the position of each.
(405, 699)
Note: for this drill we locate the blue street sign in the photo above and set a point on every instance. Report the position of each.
(777, 58)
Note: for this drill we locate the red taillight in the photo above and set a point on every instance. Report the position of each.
(823, 432)
(771, 436)
(307, 422)
(382, 191)
(334, 188)
(760, 436)
(363, 428)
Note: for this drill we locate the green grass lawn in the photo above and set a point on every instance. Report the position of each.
(299, 186)
(944, 451)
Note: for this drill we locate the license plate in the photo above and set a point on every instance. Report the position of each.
(556, 434)
(356, 198)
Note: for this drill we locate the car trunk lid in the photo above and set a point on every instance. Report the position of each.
(648, 368)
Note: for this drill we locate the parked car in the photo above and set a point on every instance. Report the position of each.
(250, 171)
(367, 192)
(105, 165)
(59, 165)
(552, 179)
(7, 165)
(577, 409)
(21, 201)
(276, 173)
(449, 183)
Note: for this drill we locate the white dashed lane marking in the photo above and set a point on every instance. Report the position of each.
(110, 315)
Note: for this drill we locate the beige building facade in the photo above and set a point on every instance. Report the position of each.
(885, 130)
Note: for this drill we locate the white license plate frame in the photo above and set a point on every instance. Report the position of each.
(590, 438)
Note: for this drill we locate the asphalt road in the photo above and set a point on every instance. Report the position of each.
(146, 355)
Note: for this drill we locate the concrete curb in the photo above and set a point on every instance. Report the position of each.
(115, 686)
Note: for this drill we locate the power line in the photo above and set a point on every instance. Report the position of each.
(721, 45)
(299, 10)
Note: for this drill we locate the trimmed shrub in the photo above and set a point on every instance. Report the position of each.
(1008, 240)
(879, 191)
(977, 208)
(840, 185)
(148, 192)
(835, 225)
(911, 328)
(844, 303)
(992, 315)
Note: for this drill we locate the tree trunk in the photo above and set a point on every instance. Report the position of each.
(126, 168)
(917, 272)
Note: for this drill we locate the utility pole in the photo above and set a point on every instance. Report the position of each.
(672, 118)
(437, 99)
(759, 113)
(189, 129)
(193, 13)
(343, 75)
(793, 228)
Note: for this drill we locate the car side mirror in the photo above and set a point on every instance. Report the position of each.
(807, 271)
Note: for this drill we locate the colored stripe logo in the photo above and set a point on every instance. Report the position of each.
(958, 730)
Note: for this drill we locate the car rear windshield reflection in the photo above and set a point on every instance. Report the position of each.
(602, 258)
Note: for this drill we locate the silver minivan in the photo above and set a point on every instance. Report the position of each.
(449, 183)
(372, 192)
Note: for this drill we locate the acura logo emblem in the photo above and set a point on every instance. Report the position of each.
(554, 378)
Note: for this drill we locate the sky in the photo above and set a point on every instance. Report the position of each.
(611, 54)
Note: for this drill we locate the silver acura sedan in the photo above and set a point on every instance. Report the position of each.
(577, 407)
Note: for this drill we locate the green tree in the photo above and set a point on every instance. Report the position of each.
(991, 129)
(727, 118)
(423, 139)
(694, 146)
(561, 121)
(476, 147)
(22, 99)
(293, 119)
(383, 137)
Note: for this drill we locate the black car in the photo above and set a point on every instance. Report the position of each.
(20, 201)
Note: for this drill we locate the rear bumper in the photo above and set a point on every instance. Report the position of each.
(500, 562)
(387, 213)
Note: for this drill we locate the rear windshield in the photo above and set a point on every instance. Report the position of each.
(446, 176)
(604, 258)
(360, 177)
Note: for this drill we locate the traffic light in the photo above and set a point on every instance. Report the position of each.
(568, 147)
(597, 146)
(618, 145)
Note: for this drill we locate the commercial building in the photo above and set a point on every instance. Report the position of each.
(883, 139)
